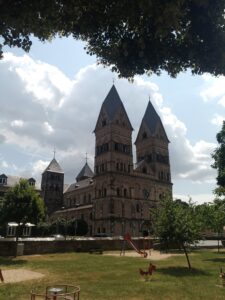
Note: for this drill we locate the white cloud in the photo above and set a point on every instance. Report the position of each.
(214, 88)
(17, 123)
(46, 109)
(217, 120)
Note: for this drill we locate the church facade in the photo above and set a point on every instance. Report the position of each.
(116, 197)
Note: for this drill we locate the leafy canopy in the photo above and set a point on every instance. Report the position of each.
(176, 223)
(219, 161)
(133, 37)
(22, 204)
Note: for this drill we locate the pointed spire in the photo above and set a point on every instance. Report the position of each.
(85, 173)
(112, 104)
(151, 118)
(53, 167)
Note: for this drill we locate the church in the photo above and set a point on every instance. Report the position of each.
(115, 198)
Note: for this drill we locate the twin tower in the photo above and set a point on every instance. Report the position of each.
(116, 197)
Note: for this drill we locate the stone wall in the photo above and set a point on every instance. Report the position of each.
(7, 248)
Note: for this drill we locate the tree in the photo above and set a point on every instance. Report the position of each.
(22, 204)
(133, 37)
(219, 162)
(218, 218)
(176, 223)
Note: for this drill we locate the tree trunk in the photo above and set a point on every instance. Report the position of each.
(218, 244)
(185, 251)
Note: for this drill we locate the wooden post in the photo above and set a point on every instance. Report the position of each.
(1, 276)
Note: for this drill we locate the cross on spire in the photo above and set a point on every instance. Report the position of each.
(54, 151)
(86, 157)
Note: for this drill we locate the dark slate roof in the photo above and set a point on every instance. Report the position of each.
(151, 118)
(112, 104)
(80, 185)
(86, 172)
(53, 167)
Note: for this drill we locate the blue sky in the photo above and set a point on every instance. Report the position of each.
(51, 97)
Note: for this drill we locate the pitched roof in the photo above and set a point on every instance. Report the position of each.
(53, 167)
(88, 182)
(151, 119)
(112, 104)
(85, 172)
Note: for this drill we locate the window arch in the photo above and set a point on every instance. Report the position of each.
(137, 208)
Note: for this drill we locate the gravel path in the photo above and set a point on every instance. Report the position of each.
(17, 275)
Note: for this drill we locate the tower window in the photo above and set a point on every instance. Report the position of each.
(144, 170)
(144, 135)
(138, 208)
(103, 122)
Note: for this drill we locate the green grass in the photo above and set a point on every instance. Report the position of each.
(106, 277)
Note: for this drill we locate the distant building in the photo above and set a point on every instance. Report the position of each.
(114, 199)
(8, 181)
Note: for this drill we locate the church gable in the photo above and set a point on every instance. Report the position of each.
(143, 134)
(121, 119)
(160, 133)
(103, 119)
(113, 112)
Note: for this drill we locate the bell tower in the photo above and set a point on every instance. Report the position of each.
(113, 131)
(52, 184)
(152, 147)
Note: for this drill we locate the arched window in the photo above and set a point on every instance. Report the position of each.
(144, 170)
(137, 208)
(118, 192)
(125, 192)
(144, 135)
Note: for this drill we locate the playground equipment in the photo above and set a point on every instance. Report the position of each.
(58, 292)
(149, 272)
(127, 238)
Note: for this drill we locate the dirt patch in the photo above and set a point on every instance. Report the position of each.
(17, 275)
(152, 255)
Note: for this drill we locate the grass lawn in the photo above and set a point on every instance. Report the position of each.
(107, 277)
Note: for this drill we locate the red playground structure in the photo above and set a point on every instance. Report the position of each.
(127, 238)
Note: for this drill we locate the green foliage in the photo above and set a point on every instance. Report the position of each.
(22, 204)
(218, 215)
(219, 162)
(204, 215)
(176, 223)
(133, 37)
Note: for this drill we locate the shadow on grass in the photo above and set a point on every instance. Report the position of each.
(10, 261)
(182, 271)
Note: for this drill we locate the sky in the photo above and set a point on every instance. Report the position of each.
(51, 97)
